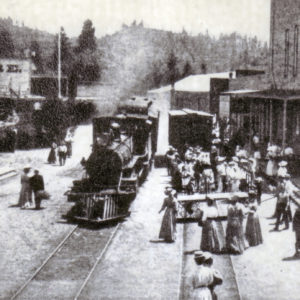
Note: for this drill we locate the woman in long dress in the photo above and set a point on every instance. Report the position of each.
(168, 225)
(253, 229)
(25, 193)
(205, 278)
(235, 242)
(210, 239)
(52, 154)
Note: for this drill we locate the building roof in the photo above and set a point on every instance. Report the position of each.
(265, 94)
(187, 111)
(200, 83)
(195, 83)
(237, 92)
(275, 95)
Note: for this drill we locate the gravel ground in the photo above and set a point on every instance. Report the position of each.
(269, 271)
(29, 236)
(134, 267)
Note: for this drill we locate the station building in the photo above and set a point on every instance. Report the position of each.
(270, 105)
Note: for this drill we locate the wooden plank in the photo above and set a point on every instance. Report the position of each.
(214, 196)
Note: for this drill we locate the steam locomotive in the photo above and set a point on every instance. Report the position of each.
(123, 148)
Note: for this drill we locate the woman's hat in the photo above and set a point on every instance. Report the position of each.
(258, 179)
(236, 159)
(221, 158)
(234, 198)
(201, 256)
(283, 163)
(244, 161)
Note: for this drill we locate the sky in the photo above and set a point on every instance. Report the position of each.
(248, 17)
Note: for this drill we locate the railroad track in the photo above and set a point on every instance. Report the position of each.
(66, 271)
(191, 240)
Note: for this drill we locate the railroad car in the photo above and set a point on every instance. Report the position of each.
(123, 147)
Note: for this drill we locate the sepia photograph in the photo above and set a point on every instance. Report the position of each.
(149, 149)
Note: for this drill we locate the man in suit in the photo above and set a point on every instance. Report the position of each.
(37, 184)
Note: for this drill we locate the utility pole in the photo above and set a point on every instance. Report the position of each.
(59, 64)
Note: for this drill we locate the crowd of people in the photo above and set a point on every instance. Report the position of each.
(232, 169)
(207, 171)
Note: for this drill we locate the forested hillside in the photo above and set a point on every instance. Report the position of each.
(135, 58)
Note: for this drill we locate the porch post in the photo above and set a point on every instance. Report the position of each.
(250, 126)
(271, 120)
(284, 125)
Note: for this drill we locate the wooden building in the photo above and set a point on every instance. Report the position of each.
(271, 109)
(190, 127)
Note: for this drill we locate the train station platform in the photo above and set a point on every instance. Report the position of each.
(137, 265)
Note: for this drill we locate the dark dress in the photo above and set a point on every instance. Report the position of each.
(296, 227)
(211, 240)
(235, 241)
(253, 230)
(52, 155)
(168, 224)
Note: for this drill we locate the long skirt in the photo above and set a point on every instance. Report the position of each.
(25, 195)
(271, 169)
(253, 230)
(168, 226)
(52, 157)
(235, 241)
(211, 240)
(202, 293)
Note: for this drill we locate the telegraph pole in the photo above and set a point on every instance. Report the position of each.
(59, 64)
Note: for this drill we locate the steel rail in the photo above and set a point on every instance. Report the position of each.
(20, 290)
(97, 261)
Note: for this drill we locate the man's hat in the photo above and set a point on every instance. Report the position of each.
(221, 158)
(236, 159)
(27, 167)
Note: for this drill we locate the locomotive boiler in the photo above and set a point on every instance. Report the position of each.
(123, 147)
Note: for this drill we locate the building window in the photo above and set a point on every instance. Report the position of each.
(295, 60)
(286, 53)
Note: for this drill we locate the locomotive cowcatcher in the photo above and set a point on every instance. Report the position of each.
(123, 148)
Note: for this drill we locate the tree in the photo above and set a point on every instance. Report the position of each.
(87, 65)
(55, 119)
(87, 39)
(7, 48)
(172, 67)
(36, 56)
(187, 70)
(66, 54)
